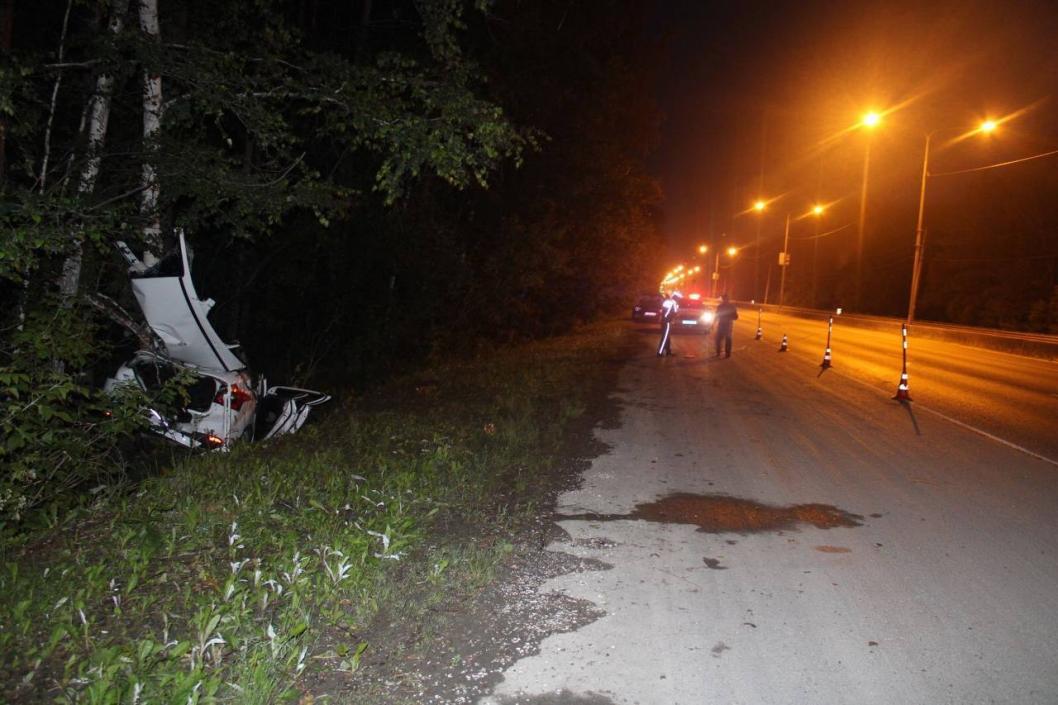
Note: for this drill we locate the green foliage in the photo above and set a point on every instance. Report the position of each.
(57, 431)
(217, 581)
(262, 124)
(258, 118)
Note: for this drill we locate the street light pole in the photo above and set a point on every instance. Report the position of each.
(759, 205)
(920, 235)
(785, 261)
(815, 260)
(756, 262)
(716, 273)
(920, 231)
(731, 252)
(862, 225)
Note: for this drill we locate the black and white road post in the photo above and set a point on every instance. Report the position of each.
(782, 345)
(903, 392)
(760, 333)
(826, 353)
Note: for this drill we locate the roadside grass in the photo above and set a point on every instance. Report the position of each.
(230, 578)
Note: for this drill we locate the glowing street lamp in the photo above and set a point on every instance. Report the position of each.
(871, 119)
(702, 249)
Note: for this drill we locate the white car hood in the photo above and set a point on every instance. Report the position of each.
(176, 314)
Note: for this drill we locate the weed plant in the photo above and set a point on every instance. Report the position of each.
(215, 580)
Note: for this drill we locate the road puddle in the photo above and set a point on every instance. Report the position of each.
(718, 514)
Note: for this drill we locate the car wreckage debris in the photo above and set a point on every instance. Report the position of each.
(223, 402)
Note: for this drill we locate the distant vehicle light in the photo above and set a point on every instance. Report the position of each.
(694, 297)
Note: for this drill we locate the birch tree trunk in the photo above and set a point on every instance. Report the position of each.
(98, 117)
(42, 178)
(152, 123)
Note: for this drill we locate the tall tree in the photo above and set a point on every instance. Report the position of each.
(98, 120)
(152, 125)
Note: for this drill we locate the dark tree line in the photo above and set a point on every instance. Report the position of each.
(363, 183)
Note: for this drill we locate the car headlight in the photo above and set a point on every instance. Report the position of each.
(707, 317)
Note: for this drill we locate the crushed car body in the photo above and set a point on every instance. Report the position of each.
(222, 404)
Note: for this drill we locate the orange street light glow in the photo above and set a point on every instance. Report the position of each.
(988, 125)
(702, 249)
(759, 205)
(732, 251)
(818, 209)
(871, 119)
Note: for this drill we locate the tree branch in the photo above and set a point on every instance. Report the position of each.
(113, 310)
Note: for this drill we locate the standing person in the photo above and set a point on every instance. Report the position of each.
(726, 315)
(669, 308)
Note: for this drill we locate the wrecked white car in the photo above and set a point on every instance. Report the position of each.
(222, 403)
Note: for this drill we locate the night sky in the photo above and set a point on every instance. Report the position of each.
(764, 98)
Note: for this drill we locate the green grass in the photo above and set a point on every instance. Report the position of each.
(227, 577)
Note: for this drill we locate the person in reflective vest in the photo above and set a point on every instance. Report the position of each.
(669, 308)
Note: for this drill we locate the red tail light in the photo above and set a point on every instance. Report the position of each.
(238, 396)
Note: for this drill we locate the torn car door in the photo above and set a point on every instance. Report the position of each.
(174, 312)
(284, 410)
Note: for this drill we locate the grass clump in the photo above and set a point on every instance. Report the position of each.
(227, 577)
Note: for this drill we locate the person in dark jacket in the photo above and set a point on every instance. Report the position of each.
(726, 315)
(669, 309)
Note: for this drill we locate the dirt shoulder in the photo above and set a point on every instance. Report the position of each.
(454, 649)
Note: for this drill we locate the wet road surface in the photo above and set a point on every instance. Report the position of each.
(774, 535)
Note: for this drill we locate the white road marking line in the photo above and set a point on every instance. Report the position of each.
(963, 424)
(988, 435)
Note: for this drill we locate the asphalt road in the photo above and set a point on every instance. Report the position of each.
(769, 534)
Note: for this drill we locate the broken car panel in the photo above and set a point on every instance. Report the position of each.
(167, 297)
(222, 403)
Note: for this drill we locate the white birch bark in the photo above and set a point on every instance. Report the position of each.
(98, 117)
(42, 179)
(152, 123)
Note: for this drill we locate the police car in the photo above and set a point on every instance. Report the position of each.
(696, 315)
